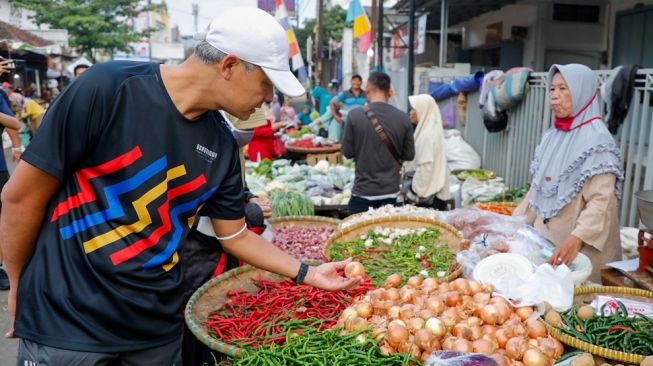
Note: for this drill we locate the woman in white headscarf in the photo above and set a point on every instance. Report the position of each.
(429, 186)
(577, 174)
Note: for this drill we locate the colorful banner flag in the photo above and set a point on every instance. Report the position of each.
(271, 6)
(295, 55)
(362, 25)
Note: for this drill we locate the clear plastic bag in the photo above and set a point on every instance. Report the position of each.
(448, 358)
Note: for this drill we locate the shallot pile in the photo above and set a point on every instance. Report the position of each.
(427, 316)
(306, 242)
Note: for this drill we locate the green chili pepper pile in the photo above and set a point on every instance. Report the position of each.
(616, 331)
(327, 348)
(291, 204)
(407, 255)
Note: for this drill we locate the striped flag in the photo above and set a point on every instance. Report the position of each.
(362, 25)
(295, 55)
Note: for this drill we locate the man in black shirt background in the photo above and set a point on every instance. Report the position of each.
(377, 168)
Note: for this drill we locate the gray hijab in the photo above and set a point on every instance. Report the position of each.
(565, 161)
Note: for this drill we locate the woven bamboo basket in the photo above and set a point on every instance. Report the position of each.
(583, 296)
(313, 150)
(449, 235)
(213, 294)
(304, 221)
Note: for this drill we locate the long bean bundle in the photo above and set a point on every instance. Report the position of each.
(291, 204)
(321, 349)
(617, 331)
(407, 252)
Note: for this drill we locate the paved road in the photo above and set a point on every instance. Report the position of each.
(8, 347)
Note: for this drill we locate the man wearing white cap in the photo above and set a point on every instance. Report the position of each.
(103, 199)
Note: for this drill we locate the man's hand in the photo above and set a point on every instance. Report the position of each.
(11, 308)
(328, 277)
(566, 252)
(264, 204)
(16, 154)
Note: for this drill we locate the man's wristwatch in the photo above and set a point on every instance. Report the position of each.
(303, 270)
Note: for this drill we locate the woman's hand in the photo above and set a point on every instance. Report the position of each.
(264, 204)
(566, 252)
(328, 276)
(6, 66)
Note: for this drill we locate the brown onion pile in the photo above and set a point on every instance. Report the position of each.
(426, 316)
(306, 242)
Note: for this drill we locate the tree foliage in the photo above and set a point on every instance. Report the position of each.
(91, 24)
(333, 23)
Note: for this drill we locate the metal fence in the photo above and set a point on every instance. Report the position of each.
(510, 152)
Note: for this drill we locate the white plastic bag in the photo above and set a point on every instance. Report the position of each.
(557, 281)
(479, 191)
(460, 154)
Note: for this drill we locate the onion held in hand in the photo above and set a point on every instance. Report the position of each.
(354, 269)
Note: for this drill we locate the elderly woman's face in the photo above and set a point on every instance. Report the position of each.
(560, 97)
(413, 116)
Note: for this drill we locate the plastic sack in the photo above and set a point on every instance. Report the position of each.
(449, 112)
(460, 154)
(449, 358)
(480, 191)
(558, 283)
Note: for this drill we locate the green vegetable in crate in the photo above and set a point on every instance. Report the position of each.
(617, 331)
(326, 348)
(478, 174)
(407, 252)
(291, 204)
(264, 168)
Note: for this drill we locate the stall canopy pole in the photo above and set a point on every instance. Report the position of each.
(444, 28)
(411, 47)
(379, 37)
(318, 42)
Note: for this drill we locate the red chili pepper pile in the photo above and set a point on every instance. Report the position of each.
(305, 143)
(254, 319)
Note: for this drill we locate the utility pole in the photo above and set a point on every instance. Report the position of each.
(196, 12)
(444, 27)
(375, 4)
(379, 36)
(411, 47)
(318, 41)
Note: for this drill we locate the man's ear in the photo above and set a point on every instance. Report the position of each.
(227, 66)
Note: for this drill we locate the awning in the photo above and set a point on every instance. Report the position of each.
(10, 33)
(459, 10)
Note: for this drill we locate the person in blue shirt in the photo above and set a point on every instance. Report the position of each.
(321, 98)
(344, 102)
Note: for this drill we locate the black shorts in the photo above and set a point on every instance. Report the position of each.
(34, 354)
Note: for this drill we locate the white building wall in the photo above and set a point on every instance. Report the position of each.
(615, 6)
(16, 16)
(548, 40)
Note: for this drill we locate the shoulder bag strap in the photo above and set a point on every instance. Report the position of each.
(382, 135)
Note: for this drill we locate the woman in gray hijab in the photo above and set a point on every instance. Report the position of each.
(577, 174)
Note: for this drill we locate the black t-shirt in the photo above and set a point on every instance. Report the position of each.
(105, 274)
(377, 171)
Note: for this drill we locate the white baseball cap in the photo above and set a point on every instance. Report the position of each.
(254, 36)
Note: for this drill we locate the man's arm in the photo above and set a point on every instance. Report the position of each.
(24, 201)
(16, 149)
(9, 122)
(256, 251)
(332, 105)
(347, 144)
